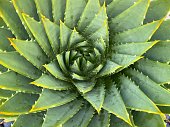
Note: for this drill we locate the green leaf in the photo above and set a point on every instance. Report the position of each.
(5, 94)
(153, 14)
(12, 20)
(97, 22)
(74, 9)
(15, 82)
(56, 71)
(163, 32)
(53, 33)
(148, 120)
(102, 32)
(164, 109)
(96, 96)
(38, 31)
(37, 58)
(114, 104)
(133, 49)
(153, 68)
(84, 86)
(109, 68)
(134, 98)
(124, 60)
(100, 45)
(50, 82)
(63, 113)
(118, 6)
(44, 7)
(65, 33)
(61, 62)
(76, 72)
(19, 64)
(154, 91)
(78, 77)
(33, 120)
(55, 98)
(58, 9)
(134, 35)
(159, 52)
(67, 58)
(134, 17)
(4, 42)
(21, 103)
(91, 9)
(100, 120)
(116, 122)
(27, 7)
(75, 39)
(82, 118)
(2, 23)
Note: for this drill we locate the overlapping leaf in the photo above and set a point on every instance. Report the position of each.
(84, 63)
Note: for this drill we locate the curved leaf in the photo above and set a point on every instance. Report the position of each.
(11, 18)
(73, 12)
(134, 13)
(138, 100)
(153, 68)
(50, 82)
(114, 104)
(33, 120)
(82, 118)
(63, 113)
(15, 82)
(55, 98)
(19, 64)
(96, 96)
(22, 103)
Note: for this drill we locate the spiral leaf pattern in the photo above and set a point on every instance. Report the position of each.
(84, 63)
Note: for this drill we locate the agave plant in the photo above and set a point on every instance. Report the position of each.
(84, 63)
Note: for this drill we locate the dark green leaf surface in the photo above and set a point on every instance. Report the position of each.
(58, 9)
(147, 120)
(38, 31)
(84, 63)
(160, 52)
(50, 82)
(101, 120)
(37, 58)
(152, 68)
(134, 35)
(17, 82)
(55, 98)
(19, 64)
(114, 104)
(155, 92)
(163, 32)
(22, 103)
(33, 120)
(138, 98)
(82, 118)
(63, 113)
(44, 7)
(134, 13)
(118, 6)
(153, 14)
(4, 42)
(12, 20)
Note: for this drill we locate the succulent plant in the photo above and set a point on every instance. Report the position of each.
(84, 63)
